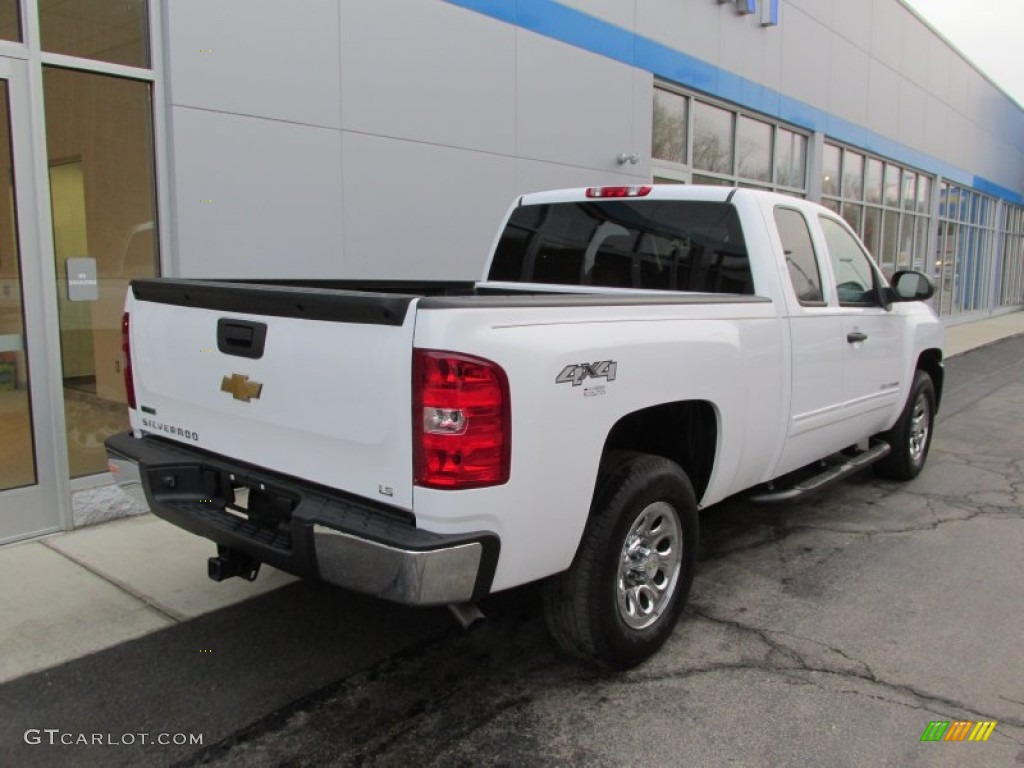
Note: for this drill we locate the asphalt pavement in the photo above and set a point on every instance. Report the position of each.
(830, 632)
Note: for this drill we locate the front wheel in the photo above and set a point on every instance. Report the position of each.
(911, 435)
(622, 596)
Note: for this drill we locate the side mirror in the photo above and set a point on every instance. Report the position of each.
(911, 285)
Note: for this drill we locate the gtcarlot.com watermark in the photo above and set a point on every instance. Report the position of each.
(55, 737)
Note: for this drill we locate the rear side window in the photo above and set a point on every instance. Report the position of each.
(800, 258)
(671, 245)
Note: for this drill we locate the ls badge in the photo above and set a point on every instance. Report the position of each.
(240, 388)
(577, 373)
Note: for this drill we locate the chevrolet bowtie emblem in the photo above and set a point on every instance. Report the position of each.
(240, 388)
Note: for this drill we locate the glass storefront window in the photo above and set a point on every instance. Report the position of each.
(668, 140)
(1012, 258)
(116, 31)
(889, 205)
(906, 243)
(909, 190)
(873, 181)
(693, 140)
(853, 173)
(830, 170)
(790, 158)
(873, 232)
(947, 202)
(17, 457)
(921, 244)
(10, 20)
(892, 185)
(965, 253)
(853, 214)
(890, 240)
(99, 142)
(753, 149)
(712, 138)
(924, 195)
(944, 265)
(986, 207)
(968, 267)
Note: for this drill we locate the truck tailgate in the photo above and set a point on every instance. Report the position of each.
(323, 396)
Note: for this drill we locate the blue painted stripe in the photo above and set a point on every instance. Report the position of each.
(568, 25)
(571, 26)
(505, 10)
(680, 67)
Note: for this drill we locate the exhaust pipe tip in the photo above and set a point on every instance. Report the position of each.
(467, 614)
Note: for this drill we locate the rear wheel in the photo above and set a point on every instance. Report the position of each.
(911, 435)
(622, 596)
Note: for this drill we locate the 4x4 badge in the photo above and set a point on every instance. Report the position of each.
(240, 388)
(577, 373)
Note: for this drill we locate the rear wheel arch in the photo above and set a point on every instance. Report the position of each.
(684, 432)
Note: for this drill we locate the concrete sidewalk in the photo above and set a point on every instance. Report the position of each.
(71, 594)
(967, 336)
(75, 593)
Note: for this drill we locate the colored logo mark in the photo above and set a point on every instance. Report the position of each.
(958, 730)
(240, 388)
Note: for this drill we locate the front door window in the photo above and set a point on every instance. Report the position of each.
(856, 279)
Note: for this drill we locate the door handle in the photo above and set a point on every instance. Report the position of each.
(856, 336)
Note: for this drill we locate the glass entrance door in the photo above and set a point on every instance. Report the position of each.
(28, 488)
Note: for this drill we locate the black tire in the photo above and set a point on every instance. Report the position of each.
(623, 594)
(911, 435)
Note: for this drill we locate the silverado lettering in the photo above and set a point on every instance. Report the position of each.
(170, 429)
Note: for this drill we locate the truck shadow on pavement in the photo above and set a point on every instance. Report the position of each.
(212, 675)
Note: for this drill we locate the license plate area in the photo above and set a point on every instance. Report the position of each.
(261, 504)
(245, 498)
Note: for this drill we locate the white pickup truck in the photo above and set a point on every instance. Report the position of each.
(634, 354)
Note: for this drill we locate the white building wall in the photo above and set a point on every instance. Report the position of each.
(386, 138)
(377, 138)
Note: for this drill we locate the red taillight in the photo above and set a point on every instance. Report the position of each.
(634, 191)
(461, 421)
(126, 351)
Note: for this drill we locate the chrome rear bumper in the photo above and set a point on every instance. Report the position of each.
(433, 577)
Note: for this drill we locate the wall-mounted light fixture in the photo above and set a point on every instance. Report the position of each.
(632, 158)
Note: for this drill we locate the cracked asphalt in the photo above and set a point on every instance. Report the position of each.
(829, 632)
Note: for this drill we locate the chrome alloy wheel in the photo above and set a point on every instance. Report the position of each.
(649, 565)
(920, 425)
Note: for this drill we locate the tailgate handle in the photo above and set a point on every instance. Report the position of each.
(241, 337)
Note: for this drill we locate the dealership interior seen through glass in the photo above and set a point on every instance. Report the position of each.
(17, 458)
(103, 202)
